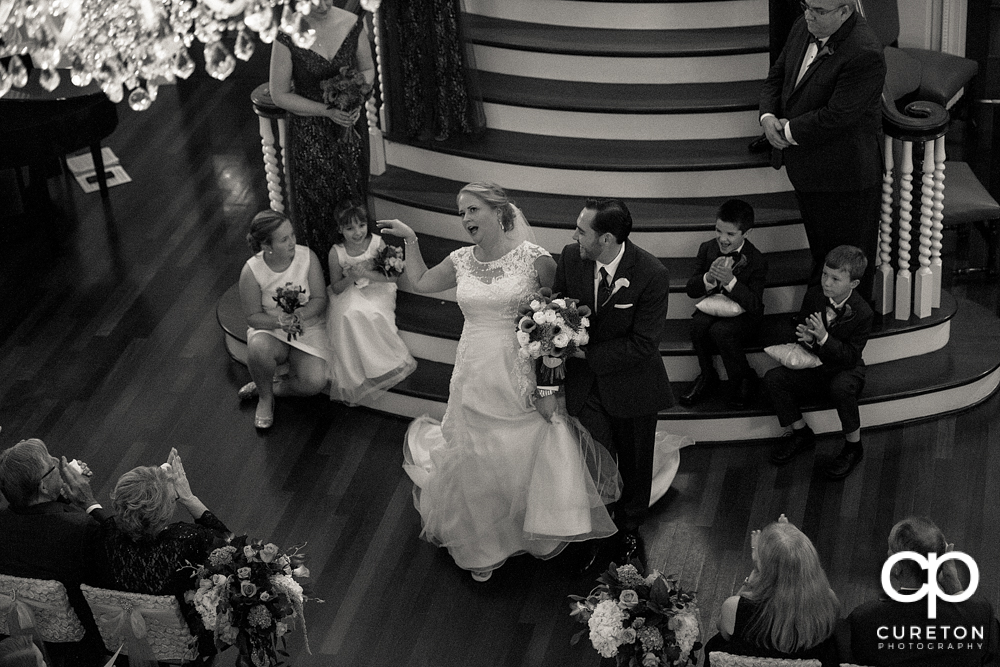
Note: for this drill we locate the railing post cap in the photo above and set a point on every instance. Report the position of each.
(263, 105)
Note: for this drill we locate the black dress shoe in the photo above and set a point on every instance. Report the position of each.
(741, 392)
(791, 444)
(703, 386)
(631, 548)
(845, 462)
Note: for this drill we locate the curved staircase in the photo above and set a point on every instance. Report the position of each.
(655, 103)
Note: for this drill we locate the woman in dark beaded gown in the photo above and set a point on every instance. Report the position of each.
(324, 170)
(148, 554)
(431, 91)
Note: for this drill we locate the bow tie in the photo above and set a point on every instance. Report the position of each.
(813, 39)
(833, 312)
(735, 254)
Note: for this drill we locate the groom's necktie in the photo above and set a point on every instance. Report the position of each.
(603, 288)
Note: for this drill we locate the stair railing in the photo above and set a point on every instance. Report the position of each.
(898, 291)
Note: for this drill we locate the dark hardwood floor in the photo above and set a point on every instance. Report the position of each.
(110, 352)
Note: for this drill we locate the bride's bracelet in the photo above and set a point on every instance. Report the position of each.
(408, 242)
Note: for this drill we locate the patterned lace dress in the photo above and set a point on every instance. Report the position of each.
(324, 170)
(494, 479)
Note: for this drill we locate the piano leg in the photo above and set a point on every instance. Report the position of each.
(102, 179)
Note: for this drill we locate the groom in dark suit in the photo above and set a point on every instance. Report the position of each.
(820, 108)
(618, 385)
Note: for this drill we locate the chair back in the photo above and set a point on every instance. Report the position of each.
(722, 659)
(151, 627)
(37, 606)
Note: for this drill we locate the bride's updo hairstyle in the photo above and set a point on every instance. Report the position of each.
(261, 228)
(143, 501)
(497, 198)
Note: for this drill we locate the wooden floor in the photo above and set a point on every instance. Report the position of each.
(110, 352)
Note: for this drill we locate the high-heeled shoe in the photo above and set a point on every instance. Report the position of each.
(482, 576)
(263, 421)
(247, 391)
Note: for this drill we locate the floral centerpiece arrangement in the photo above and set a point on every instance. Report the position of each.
(248, 596)
(551, 329)
(641, 621)
(289, 298)
(346, 92)
(389, 261)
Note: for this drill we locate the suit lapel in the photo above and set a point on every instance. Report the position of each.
(824, 54)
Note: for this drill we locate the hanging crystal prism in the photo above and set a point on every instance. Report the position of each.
(183, 65)
(244, 46)
(49, 79)
(139, 99)
(18, 72)
(219, 62)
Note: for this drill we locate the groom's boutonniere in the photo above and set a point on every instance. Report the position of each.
(619, 284)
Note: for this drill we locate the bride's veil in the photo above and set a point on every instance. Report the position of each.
(521, 231)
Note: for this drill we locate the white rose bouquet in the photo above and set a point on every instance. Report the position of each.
(551, 329)
(639, 620)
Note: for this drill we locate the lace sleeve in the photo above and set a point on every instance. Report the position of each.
(460, 258)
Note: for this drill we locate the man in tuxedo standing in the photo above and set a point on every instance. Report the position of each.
(618, 384)
(820, 108)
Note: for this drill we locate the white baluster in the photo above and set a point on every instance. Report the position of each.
(376, 142)
(904, 284)
(282, 142)
(882, 292)
(937, 219)
(272, 170)
(923, 287)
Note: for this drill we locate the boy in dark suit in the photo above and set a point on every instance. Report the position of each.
(732, 266)
(834, 323)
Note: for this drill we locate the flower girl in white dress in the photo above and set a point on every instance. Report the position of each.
(368, 354)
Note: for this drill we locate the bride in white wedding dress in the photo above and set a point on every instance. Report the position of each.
(494, 478)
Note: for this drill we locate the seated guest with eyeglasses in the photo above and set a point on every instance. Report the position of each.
(145, 552)
(51, 530)
(963, 633)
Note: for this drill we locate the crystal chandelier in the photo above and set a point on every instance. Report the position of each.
(139, 44)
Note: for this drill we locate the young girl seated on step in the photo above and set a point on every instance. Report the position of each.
(368, 354)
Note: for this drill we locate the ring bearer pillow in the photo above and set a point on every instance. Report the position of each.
(793, 355)
(719, 305)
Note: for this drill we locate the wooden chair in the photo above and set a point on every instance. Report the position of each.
(148, 628)
(722, 659)
(37, 606)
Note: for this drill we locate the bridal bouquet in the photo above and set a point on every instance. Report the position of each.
(389, 261)
(646, 621)
(551, 329)
(247, 595)
(289, 298)
(346, 92)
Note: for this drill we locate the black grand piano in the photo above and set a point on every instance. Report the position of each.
(38, 126)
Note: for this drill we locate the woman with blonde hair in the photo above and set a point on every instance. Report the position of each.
(785, 608)
(146, 552)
